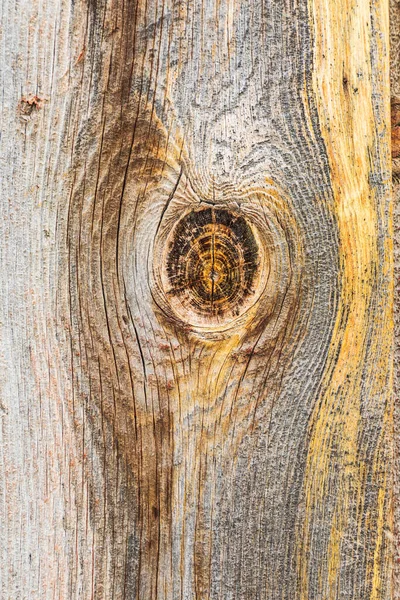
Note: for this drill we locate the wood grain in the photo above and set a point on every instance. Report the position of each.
(395, 93)
(198, 295)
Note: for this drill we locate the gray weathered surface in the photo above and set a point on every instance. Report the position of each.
(146, 459)
(395, 91)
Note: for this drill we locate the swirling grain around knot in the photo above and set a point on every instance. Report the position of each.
(226, 266)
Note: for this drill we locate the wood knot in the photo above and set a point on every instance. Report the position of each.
(212, 269)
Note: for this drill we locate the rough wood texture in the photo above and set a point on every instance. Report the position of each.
(395, 121)
(197, 287)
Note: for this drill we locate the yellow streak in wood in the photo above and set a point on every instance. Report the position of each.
(334, 562)
(343, 88)
(376, 579)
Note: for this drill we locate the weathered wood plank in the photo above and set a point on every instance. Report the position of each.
(197, 260)
(395, 122)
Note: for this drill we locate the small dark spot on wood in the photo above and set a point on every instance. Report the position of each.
(29, 104)
(112, 32)
(81, 55)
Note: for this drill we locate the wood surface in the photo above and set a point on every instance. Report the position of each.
(395, 122)
(197, 297)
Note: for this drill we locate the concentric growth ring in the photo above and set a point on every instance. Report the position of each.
(212, 266)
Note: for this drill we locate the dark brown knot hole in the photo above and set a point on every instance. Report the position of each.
(212, 263)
